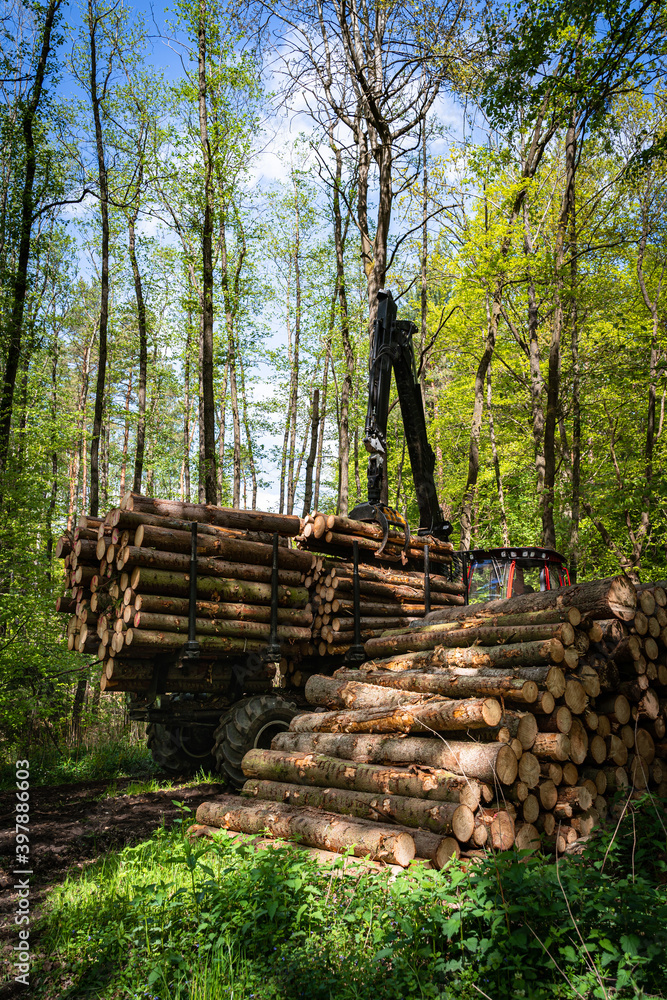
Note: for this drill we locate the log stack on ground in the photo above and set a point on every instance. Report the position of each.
(512, 722)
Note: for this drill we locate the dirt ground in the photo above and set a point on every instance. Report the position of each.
(71, 825)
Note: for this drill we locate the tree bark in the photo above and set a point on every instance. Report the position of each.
(312, 454)
(471, 713)
(223, 517)
(243, 589)
(440, 817)
(329, 772)
(313, 828)
(208, 473)
(143, 350)
(487, 762)
(19, 284)
(104, 276)
(456, 683)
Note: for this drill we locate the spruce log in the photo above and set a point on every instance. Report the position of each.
(578, 742)
(215, 609)
(157, 581)
(529, 769)
(469, 713)
(486, 762)
(143, 639)
(222, 547)
(224, 517)
(310, 826)
(520, 654)
(409, 578)
(560, 721)
(616, 708)
(548, 793)
(332, 693)
(454, 683)
(322, 771)
(552, 746)
(391, 593)
(438, 817)
(209, 626)
(614, 597)
(437, 552)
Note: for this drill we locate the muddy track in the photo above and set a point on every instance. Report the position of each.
(72, 825)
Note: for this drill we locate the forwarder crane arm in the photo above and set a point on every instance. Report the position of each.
(391, 348)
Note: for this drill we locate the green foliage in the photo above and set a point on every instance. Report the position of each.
(97, 761)
(171, 919)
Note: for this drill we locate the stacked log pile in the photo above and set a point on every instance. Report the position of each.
(128, 577)
(509, 723)
(393, 585)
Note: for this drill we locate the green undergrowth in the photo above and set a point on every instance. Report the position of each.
(171, 919)
(161, 784)
(101, 761)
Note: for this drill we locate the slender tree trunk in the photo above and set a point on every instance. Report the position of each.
(143, 354)
(186, 411)
(236, 423)
(294, 380)
(323, 414)
(19, 284)
(469, 496)
(222, 435)
(201, 485)
(208, 400)
(424, 264)
(536, 382)
(496, 461)
(248, 435)
(126, 437)
(576, 406)
(348, 352)
(312, 454)
(104, 277)
(553, 378)
(51, 509)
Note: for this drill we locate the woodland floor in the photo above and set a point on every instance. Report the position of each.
(73, 825)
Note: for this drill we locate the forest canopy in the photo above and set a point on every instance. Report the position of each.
(198, 206)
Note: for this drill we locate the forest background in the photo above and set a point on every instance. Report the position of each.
(197, 209)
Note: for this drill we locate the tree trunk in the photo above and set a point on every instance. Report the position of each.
(19, 285)
(348, 352)
(487, 762)
(312, 454)
(496, 462)
(553, 379)
(186, 412)
(104, 277)
(208, 400)
(470, 492)
(143, 351)
(313, 828)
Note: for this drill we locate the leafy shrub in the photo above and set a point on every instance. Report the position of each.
(167, 919)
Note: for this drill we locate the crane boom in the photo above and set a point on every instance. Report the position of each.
(392, 350)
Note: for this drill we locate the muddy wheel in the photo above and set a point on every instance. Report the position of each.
(181, 749)
(251, 722)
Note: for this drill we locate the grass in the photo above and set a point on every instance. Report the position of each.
(169, 919)
(118, 757)
(162, 784)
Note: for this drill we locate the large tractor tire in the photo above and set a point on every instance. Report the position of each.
(181, 750)
(251, 722)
